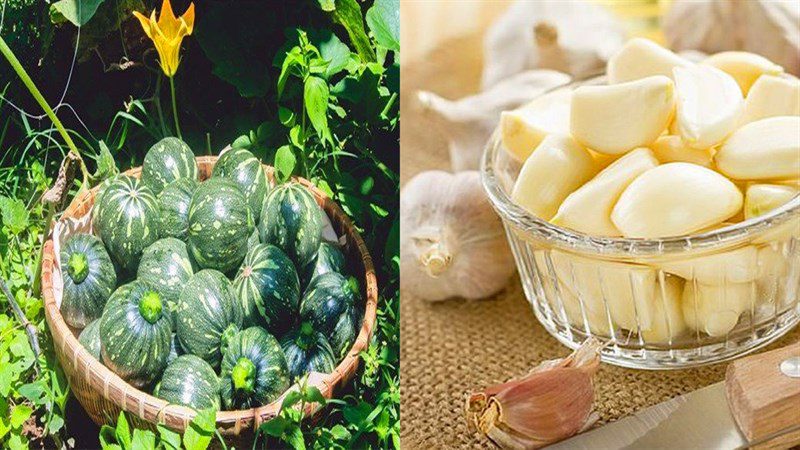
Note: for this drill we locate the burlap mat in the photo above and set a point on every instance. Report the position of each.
(450, 348)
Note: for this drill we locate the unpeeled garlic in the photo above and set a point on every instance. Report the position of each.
(766, 149)
(675, 199)
(772, 96)
(588, 209)
(552, 402)
(524, 128)
(670, 148)
(452, 243)
(715, 309)
(735, 266)
(744, 67)
(558, 166)
(709, 103)
(762, 198)
(668, 324)
(641, 58)
(617, 118)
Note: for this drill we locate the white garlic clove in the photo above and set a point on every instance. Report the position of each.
(744, 67)
(671, 148)
(617, 118)
(766, 149)
(709, 104)
(558, 166)
(641, 58)
(523, 129)
(763, 198)
(675, 199)
(735, 266)
(668, 324)
(772, 96)
(588, 209)
(715, 309)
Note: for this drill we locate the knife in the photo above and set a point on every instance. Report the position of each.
(757, 406)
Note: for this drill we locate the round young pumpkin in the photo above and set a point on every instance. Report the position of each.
(307, 351)
(253, 370)
(292, 220)
(90, 339)
(208, 315)
(166, 267)
(166, 161)
(173, 206)
(189, 381)
(98, 198)
(135, 334)
(268, 288)
(219, 225)
(175, 349)
(88, 277)
(329, 304)
(328, 258)
(244, 169)
(129, 221)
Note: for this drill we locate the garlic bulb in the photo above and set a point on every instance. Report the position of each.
(550, 34)
(467, 123)
(762, 150)
(766, 27)
(744, 67)
(670, 148)
(642, 58)
(451, 241)
(552, 402)
(772, 96)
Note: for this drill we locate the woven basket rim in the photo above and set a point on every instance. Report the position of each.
(98, 374)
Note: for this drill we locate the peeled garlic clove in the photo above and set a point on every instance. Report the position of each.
(558, 166)
(617, 118)
(668, 323)
(715, 309)
(675, 199)
(670, 148)
(523, 129)
(641, 58)
(744, 67)
(736, 266)
(763, 150)
(772, 96)
(709, 103)
(762, 198)
(588, 209)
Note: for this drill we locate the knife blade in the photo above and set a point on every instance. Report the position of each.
(704, 419)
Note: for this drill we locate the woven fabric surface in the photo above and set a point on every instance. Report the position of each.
(453, 347)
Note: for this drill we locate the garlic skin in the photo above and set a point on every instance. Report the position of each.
(770, 97)
(452, 243)
(558, 166)
(617, 118)
(715, 309)
(550, 34)
(767, 149)
(524, 128)
(642, 58)
(744, 67)
(468, 123)
(763, 198)
(588, 209)
(709, 103)
(552, 402)
(735, 266)
(675, 199)
(671, 148)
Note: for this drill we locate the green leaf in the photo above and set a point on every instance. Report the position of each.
(285, 162)
(383, 20)
(340, 433)
(392, 250)
(106, 166)
(286, 116)
(122, 433)
(275, 426)
(347, 13)
(13, 214)
(76, 11)
(313, 395)
(55, 424)
(315, 96)
(143, 440)
(294, 437)
(291, 399)
(200, 431)
(20, 414)
(335, 53)
(293, 58)
(327, 5)
(168, 438)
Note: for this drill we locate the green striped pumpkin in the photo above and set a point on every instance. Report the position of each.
(253, 370)
(135, 334)
(244, 169)
(307, 351)
(173, 206)
(328, 258)
(166, 267)
(175, 349)
(98, 198)
(292, 220)
(128, 222)
(329, 304)
(208, 315)
(268, 288)
(219, 225)
(166, 161)
(189, 381)
(253, 240)
(90, 339)
(88, 277)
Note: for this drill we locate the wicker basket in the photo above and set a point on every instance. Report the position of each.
(103, 394)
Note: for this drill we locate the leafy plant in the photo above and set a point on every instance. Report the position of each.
(199, 434)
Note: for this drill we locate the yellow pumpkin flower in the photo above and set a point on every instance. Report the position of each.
(167, 34)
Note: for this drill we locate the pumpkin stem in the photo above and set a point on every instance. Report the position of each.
(243, 375)
(150, 306)
(352, 286)
(227, 336)
(306, 336)
(78, 267)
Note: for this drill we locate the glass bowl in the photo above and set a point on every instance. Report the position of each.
(665, 303)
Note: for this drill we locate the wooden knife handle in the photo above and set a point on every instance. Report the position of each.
(762, 399)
